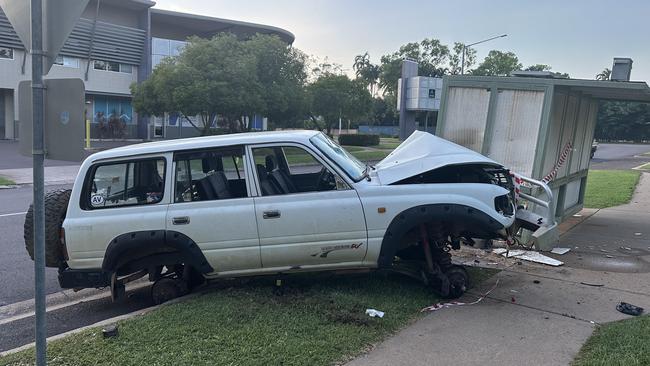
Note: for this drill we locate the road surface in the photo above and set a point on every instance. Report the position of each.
(620, 156)
(66, 310)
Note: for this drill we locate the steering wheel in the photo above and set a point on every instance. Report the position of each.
(325, 180)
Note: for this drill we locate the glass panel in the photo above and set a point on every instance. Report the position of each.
(6, 52)
(126, 111)
(129, 183)
(176, 47)
(155, 60)
(58, 60)
(112, 66)
(300, 161)
(160, 46)
(126, 68)
(352, 166)
(99, 65)
(210, 175)
(99, 112)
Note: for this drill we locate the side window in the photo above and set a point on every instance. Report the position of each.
(206, 175)
(290, 169)
(137, 182)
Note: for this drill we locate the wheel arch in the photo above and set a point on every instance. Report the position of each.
(461, 218)
(156, 245)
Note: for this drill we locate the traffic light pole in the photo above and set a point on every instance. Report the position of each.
(38, 91)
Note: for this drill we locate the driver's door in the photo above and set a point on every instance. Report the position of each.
(313, 218)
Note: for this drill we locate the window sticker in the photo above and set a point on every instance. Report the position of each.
(97, 200)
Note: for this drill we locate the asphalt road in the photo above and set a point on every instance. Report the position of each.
(619, 156)
(66, 310)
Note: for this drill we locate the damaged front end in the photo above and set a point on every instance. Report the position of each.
(525, 203)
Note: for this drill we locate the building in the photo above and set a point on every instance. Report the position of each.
(114, 44)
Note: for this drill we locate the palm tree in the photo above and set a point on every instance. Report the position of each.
(366, 71)
(604, 75)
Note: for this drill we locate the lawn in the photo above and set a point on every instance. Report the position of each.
(607, 188)
(645, 166)
(317, 320)
(6, 182)
(625, 342)
(374, 155)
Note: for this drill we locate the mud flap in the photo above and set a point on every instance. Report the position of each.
(545, 235)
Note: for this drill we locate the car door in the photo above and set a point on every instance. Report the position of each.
(301, 222)
(212, 205)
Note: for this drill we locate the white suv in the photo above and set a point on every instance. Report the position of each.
(182, 211)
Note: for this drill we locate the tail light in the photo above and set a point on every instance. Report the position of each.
(63, 247)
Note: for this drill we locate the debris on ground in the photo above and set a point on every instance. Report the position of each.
(638, 234)
(373, 313)
(629, 309)
(609, 256)
(560, 251)
(528, 255)
(439, 305)
(592, 284)
(110, 331)
(536, 281)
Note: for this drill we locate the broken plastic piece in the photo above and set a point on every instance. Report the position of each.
(560, 251)
(110, 331)
(629, 309)
(374, 313)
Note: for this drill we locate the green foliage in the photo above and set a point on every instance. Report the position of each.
(621, 343)
(336, 96)
(629, 121)
(359, 140)
(607, 188)
(6, 182)
(366, 71)
(456, 58)
(228, 77)
(538, 67)
(604, 75)
(498, 63)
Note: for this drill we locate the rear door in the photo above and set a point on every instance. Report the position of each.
(318, 221)
(220, 218)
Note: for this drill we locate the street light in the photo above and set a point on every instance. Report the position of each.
(462, 62)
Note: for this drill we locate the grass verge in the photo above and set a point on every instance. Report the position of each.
(6, 182)
(373, 155)
(625, 342)
(607, 188)
(645, 166)
(318, 320)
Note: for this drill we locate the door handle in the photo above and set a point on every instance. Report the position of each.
(182, 220)
(274, 214)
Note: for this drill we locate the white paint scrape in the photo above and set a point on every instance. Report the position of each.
(529, 255)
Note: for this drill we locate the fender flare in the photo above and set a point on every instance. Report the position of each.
(470, 217)
(140, 244)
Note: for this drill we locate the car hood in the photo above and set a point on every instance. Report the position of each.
(422, 152)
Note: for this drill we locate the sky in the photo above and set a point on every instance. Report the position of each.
(579, 37)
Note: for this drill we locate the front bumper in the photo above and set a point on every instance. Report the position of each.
(83, 278)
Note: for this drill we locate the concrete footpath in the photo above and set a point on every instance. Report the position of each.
(538, 315)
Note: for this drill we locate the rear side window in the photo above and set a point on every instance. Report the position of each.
(137, 182)
(211, 174)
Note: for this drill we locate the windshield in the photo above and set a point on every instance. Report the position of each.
(352, 166)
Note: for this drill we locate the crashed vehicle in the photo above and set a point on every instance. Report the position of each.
(185, 211)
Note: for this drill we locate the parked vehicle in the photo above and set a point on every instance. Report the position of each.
(594, 147)
(190, 210)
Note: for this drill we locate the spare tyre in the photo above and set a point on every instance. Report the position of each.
(56, 205)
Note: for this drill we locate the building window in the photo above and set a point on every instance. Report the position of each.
(112, 66)
(107, 109)
(67, 61)
(161, 48)
(6, 53)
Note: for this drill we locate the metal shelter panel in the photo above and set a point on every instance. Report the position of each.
(466, 115)
(515, 128)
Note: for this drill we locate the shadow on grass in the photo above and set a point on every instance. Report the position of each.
(312, 319)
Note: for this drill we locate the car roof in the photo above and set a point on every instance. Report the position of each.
(246, 138)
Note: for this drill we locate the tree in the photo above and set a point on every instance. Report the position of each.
(456, 58)
(604, 75)
(336, 96)
(367, 71)
(498, 63)
(226, 77)
(538, 67)
(628, 121)
(430, 54)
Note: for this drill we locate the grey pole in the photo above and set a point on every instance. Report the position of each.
(462, 64)
(462, 61)
(38, 156)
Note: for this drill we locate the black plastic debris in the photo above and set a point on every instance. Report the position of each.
(629, 309)
(110, 331)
